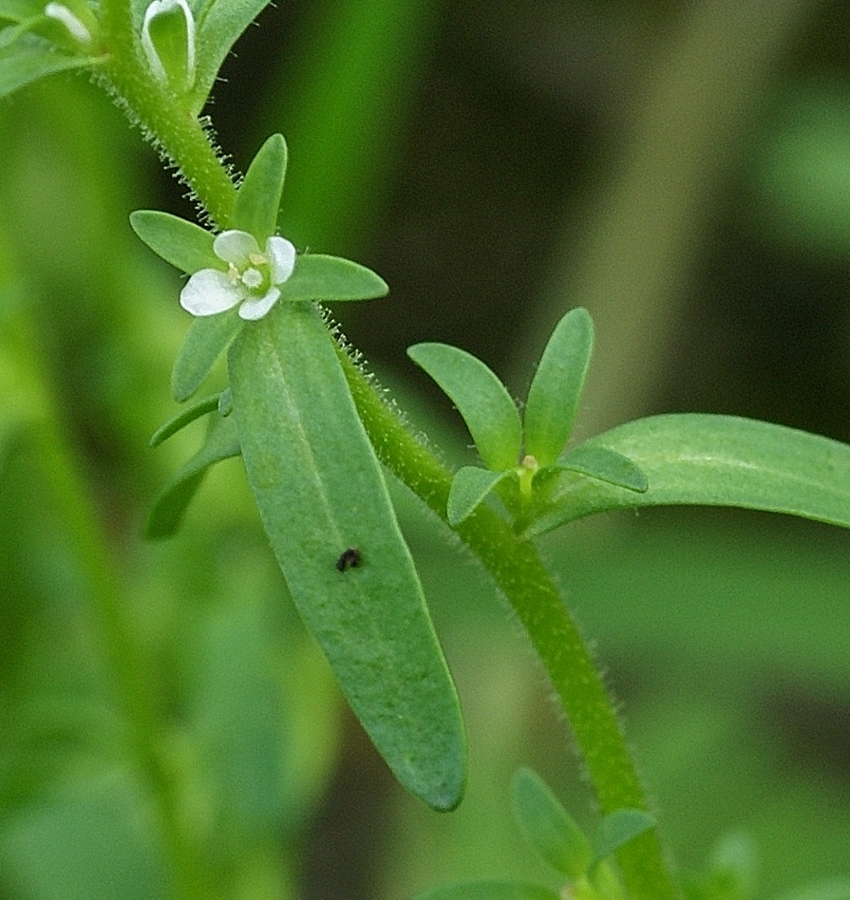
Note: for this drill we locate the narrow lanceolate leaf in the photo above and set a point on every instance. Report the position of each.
(470, 486)
(28, 59)
(331, 278)
(184, 244)
(490, 890)
(548, 827)
(222, 442)
(258, 199)
(207, 338)
(707, 460)
(219, 27)
(606, 465)
(325, 508)
(484, 402)
(555, 391)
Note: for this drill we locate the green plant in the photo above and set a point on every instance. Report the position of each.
(314, 433)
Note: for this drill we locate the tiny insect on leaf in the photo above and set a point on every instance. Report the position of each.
(349, 559)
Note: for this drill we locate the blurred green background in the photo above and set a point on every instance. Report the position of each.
(683, 170)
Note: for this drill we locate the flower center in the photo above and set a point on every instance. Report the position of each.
(256, 278)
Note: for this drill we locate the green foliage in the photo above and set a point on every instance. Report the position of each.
(184, 245)
(313, 468)
(617, 829)
(331, 280)
(320, 491)
(220, 23)
(470, 486)
(221, 442)
(482, 400)
(493, 421)
(713, 461)
(185, 417)
(555, 390)
(603, 464)
(35, 44)
(205, 341)
(560, 843)
(549, 828)
(258, 200)
(30, 58)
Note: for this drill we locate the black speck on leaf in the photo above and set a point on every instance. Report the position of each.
(349, 559)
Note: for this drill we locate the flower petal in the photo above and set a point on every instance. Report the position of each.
(281, 254)
(256, 309)
(75, 26)
(209, 292)
(235, 247)
(164, 10)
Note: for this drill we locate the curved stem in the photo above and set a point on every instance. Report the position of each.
(517, 569)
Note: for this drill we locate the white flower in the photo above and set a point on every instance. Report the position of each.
(179, 58)
(251, 280)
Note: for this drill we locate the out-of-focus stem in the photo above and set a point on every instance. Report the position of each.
(631, 259)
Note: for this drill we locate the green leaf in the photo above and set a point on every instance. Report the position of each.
(489, 890)
(555, 391)
(184, 418)
(548, 827)
(605, 465)
(325, 508)
(329, 279)
(222, 442)
(207, 338)
(708, 460)
(617, 829)
(218, 29)
(470, 486)
(185, 245)
(483, 401)
(258, 199)
(29, 58)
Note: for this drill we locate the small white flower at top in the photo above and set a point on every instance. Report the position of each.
(251, 281)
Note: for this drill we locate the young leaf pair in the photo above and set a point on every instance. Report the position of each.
(318, 486)
(524, 458)
(582, 862)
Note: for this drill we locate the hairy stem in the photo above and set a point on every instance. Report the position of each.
(513, 563)
(517, 569)
(178, 135)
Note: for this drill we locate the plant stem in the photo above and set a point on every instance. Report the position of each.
(513, 563)
(519, 572)
(177, 134)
